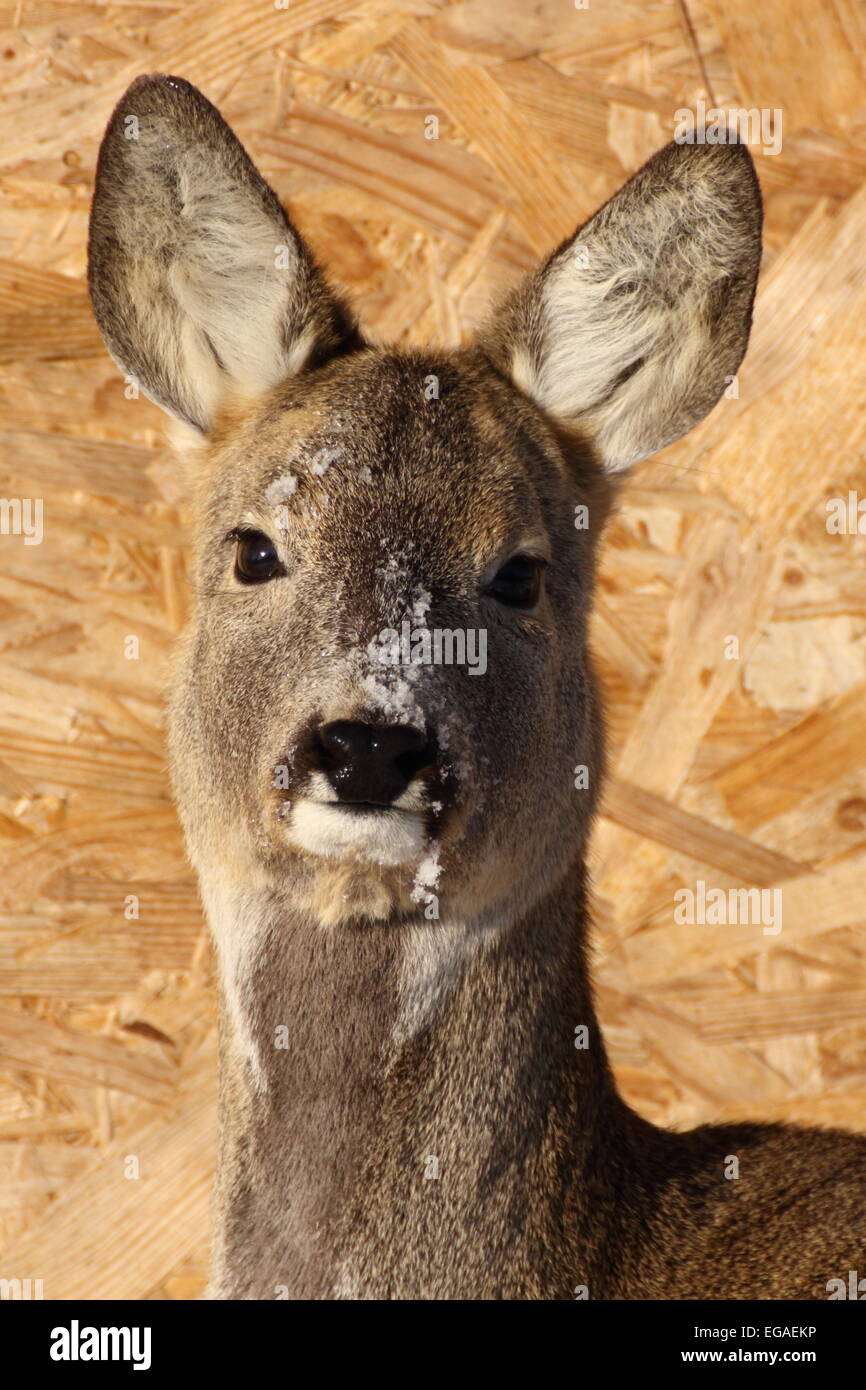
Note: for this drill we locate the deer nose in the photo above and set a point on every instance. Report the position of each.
(372, 763)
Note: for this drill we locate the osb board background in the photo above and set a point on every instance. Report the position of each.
(737, 771)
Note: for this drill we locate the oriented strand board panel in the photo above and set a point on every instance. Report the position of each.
(730, 623)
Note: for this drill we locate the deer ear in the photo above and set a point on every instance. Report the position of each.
(200, 284)
(633, 328)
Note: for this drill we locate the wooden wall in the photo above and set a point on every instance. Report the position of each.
(734, 762)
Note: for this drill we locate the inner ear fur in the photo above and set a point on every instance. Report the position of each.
(200, 283)
(633, 327)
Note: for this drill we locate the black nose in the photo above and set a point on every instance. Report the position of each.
(371, 762)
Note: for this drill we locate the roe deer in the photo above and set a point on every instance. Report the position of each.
(390, 850)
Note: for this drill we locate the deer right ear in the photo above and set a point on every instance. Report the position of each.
(200, 284)
(632, 329)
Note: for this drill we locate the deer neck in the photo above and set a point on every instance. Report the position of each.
(387, 1089)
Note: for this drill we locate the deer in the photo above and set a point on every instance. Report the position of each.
(391, 849)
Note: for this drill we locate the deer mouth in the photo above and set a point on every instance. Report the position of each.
(378, 834)
(367, 820)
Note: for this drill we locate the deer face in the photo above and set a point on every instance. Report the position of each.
(383, 693)
(375, 673)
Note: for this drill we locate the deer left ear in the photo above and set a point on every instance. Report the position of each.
(201, 285)
(633, 328)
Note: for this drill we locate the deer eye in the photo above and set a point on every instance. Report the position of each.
(256, 558)
(518, 583)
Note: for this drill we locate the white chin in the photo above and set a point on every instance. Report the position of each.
(386, 837)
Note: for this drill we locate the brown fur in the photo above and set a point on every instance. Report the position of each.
(404, 1111)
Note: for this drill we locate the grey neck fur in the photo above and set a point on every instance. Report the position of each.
(359, 1127)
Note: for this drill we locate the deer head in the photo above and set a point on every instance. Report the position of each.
(384, 688)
